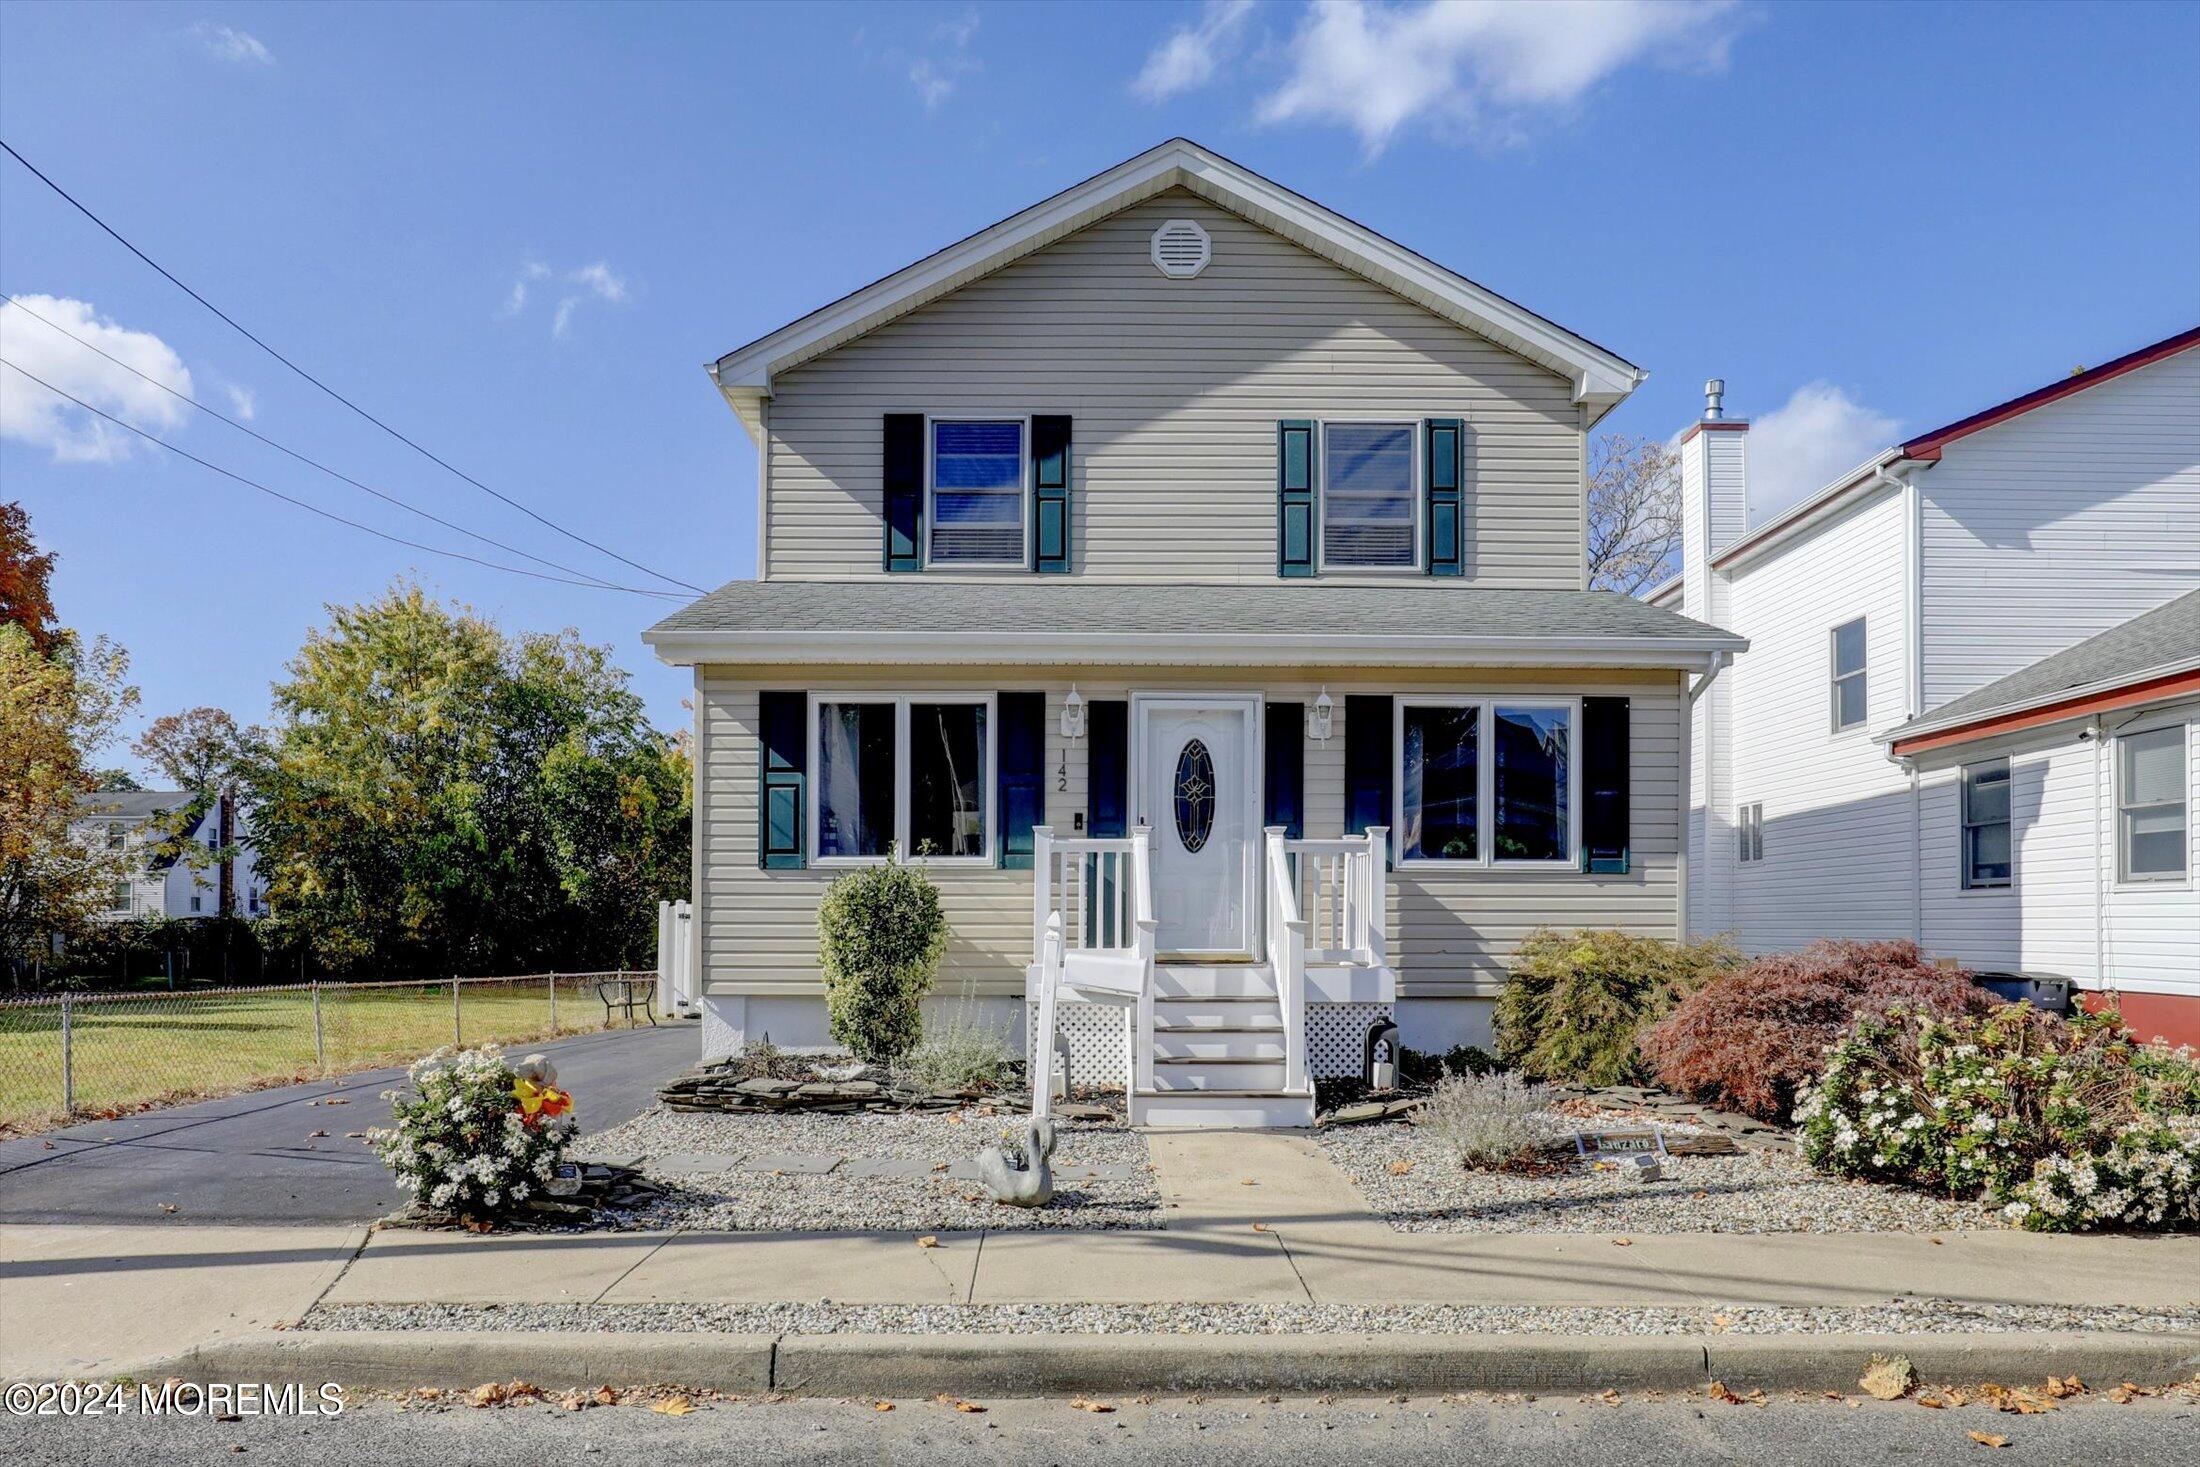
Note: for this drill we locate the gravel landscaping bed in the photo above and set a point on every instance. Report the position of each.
(1917, 1316)
(1754, 1192)
(883, 1172)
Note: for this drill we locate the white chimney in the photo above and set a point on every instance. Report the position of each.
(1714, 513)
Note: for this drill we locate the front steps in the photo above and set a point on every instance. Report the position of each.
(1218, 1051)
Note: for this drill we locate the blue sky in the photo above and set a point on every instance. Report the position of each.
(517, 233)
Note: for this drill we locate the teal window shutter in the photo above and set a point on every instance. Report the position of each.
(1367, 750)
(1295, 476)
(1283, 752)
(1050, 476)
(1443, 442)
(782, 726)
(1605, 796)
(1020, 770)
(902, 482)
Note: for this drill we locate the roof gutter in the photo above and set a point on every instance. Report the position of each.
(689, 648)
(2171, 680)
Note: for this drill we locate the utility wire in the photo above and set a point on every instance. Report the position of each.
(329, 514)
(185, 397)
(232, 323)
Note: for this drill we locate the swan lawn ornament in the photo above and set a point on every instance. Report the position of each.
(1028, 1185)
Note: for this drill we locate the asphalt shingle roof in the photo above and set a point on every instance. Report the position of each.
(131, 804)
(991, 608)
(2166, 637)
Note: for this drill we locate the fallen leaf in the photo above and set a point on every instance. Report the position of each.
(1608, 1396)
(970, 1408)
(1623, 1242)
(1726, 1321)
(1098, 1408)
(2068, 1385)
(486, 1395)
(1262, 1228)
(1835, 1396)
(939, 1166)
(1888, 1378)
(1400, 1168)
(336, 1100)
(356, 1135)
(882, 1405)
(1699, 1196)
(673, 1406)
(605, 1396)
(168, 1207)
(311, 1134)
(928, 1241)
(1717, 1391)
(1988, 1439)
(1931, 1403)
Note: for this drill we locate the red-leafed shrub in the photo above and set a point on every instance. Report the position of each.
(1748, 1040)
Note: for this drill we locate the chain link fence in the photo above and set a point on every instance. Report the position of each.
(96, 1054)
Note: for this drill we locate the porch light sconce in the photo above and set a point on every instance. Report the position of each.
(1321, 717)
(1073, 716)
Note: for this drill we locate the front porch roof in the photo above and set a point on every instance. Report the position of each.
(949, 622)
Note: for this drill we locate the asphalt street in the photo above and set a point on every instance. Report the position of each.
(1566, 1432)
(285, 1155)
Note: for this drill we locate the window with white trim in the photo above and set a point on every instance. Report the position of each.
(907, 771)
(1369, 506)
(1986, 826)
(1459, 758)
(1749, 833)
(977, 478)
(2153, 840)
(1848, 675)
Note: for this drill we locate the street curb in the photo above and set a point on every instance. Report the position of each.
(1004, 1365)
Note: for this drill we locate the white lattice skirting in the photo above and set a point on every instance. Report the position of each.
(1097, 1036)
(1336, 1037)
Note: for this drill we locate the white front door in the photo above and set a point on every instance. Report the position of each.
(1198, 792)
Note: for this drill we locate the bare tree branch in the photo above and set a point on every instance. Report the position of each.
(1634, 513)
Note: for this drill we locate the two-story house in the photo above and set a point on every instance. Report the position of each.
(1970, 711)
(1183, 567)
(150, 827)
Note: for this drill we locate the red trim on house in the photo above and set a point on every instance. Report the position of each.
(2152, 690)
(2172, 1017)
(1717, 425)
(1927, 448)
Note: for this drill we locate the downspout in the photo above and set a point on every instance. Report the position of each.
(2100, 871)
(1718, 663)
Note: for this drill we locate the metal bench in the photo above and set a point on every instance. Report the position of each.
(638, 996)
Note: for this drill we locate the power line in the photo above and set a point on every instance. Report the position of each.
(232, 323)
(330, 514)
(214, 413)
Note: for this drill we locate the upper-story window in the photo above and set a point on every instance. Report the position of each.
(116, 835)
(2152, 836)
(1848, 675)
(1986, 833)
(977, 494)
(1368, 496)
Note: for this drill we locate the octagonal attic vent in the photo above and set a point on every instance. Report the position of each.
(1181, 249)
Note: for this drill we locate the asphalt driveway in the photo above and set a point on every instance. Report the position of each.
(282, 1156)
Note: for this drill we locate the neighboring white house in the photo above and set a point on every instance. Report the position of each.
(1186, 566)
(1922, 587)
(160, 883)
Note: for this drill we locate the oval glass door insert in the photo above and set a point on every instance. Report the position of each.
(1195, 795)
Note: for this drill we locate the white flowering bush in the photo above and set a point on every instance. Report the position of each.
(2068, 1125)
(478, 1135)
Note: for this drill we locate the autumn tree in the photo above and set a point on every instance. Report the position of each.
(1634, 513)
(56, 710)
(435, 796)
(26, 582)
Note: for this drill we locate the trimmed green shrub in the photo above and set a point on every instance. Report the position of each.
(1749, 1040)
(2070, 1125)
(880, 934)
(1574, 1001)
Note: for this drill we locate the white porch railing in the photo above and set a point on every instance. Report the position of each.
(1285, 926)
(1092, 934)
(1339, 886)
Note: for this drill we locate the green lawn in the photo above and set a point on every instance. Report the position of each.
(135, 1050)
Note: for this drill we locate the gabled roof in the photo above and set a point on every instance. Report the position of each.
(131, 804)
(1240, 625)
(1601, 379)
(1926, 447)
(2150, 658)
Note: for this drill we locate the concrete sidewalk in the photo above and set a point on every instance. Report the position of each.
(1248, 1218)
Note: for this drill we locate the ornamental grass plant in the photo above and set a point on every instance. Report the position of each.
(1491, 1121)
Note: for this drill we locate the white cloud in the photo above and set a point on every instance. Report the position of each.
(934, 75)
(1479, 68)
(1190, 55)
(932, 88)
(31, 414)
(233, 45)
(242, 401)
(597, 281)
(1796, 449)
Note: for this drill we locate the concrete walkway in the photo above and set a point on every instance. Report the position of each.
(1247, 1218)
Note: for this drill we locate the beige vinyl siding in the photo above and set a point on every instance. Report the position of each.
(1176, 387)
(1451, 932)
